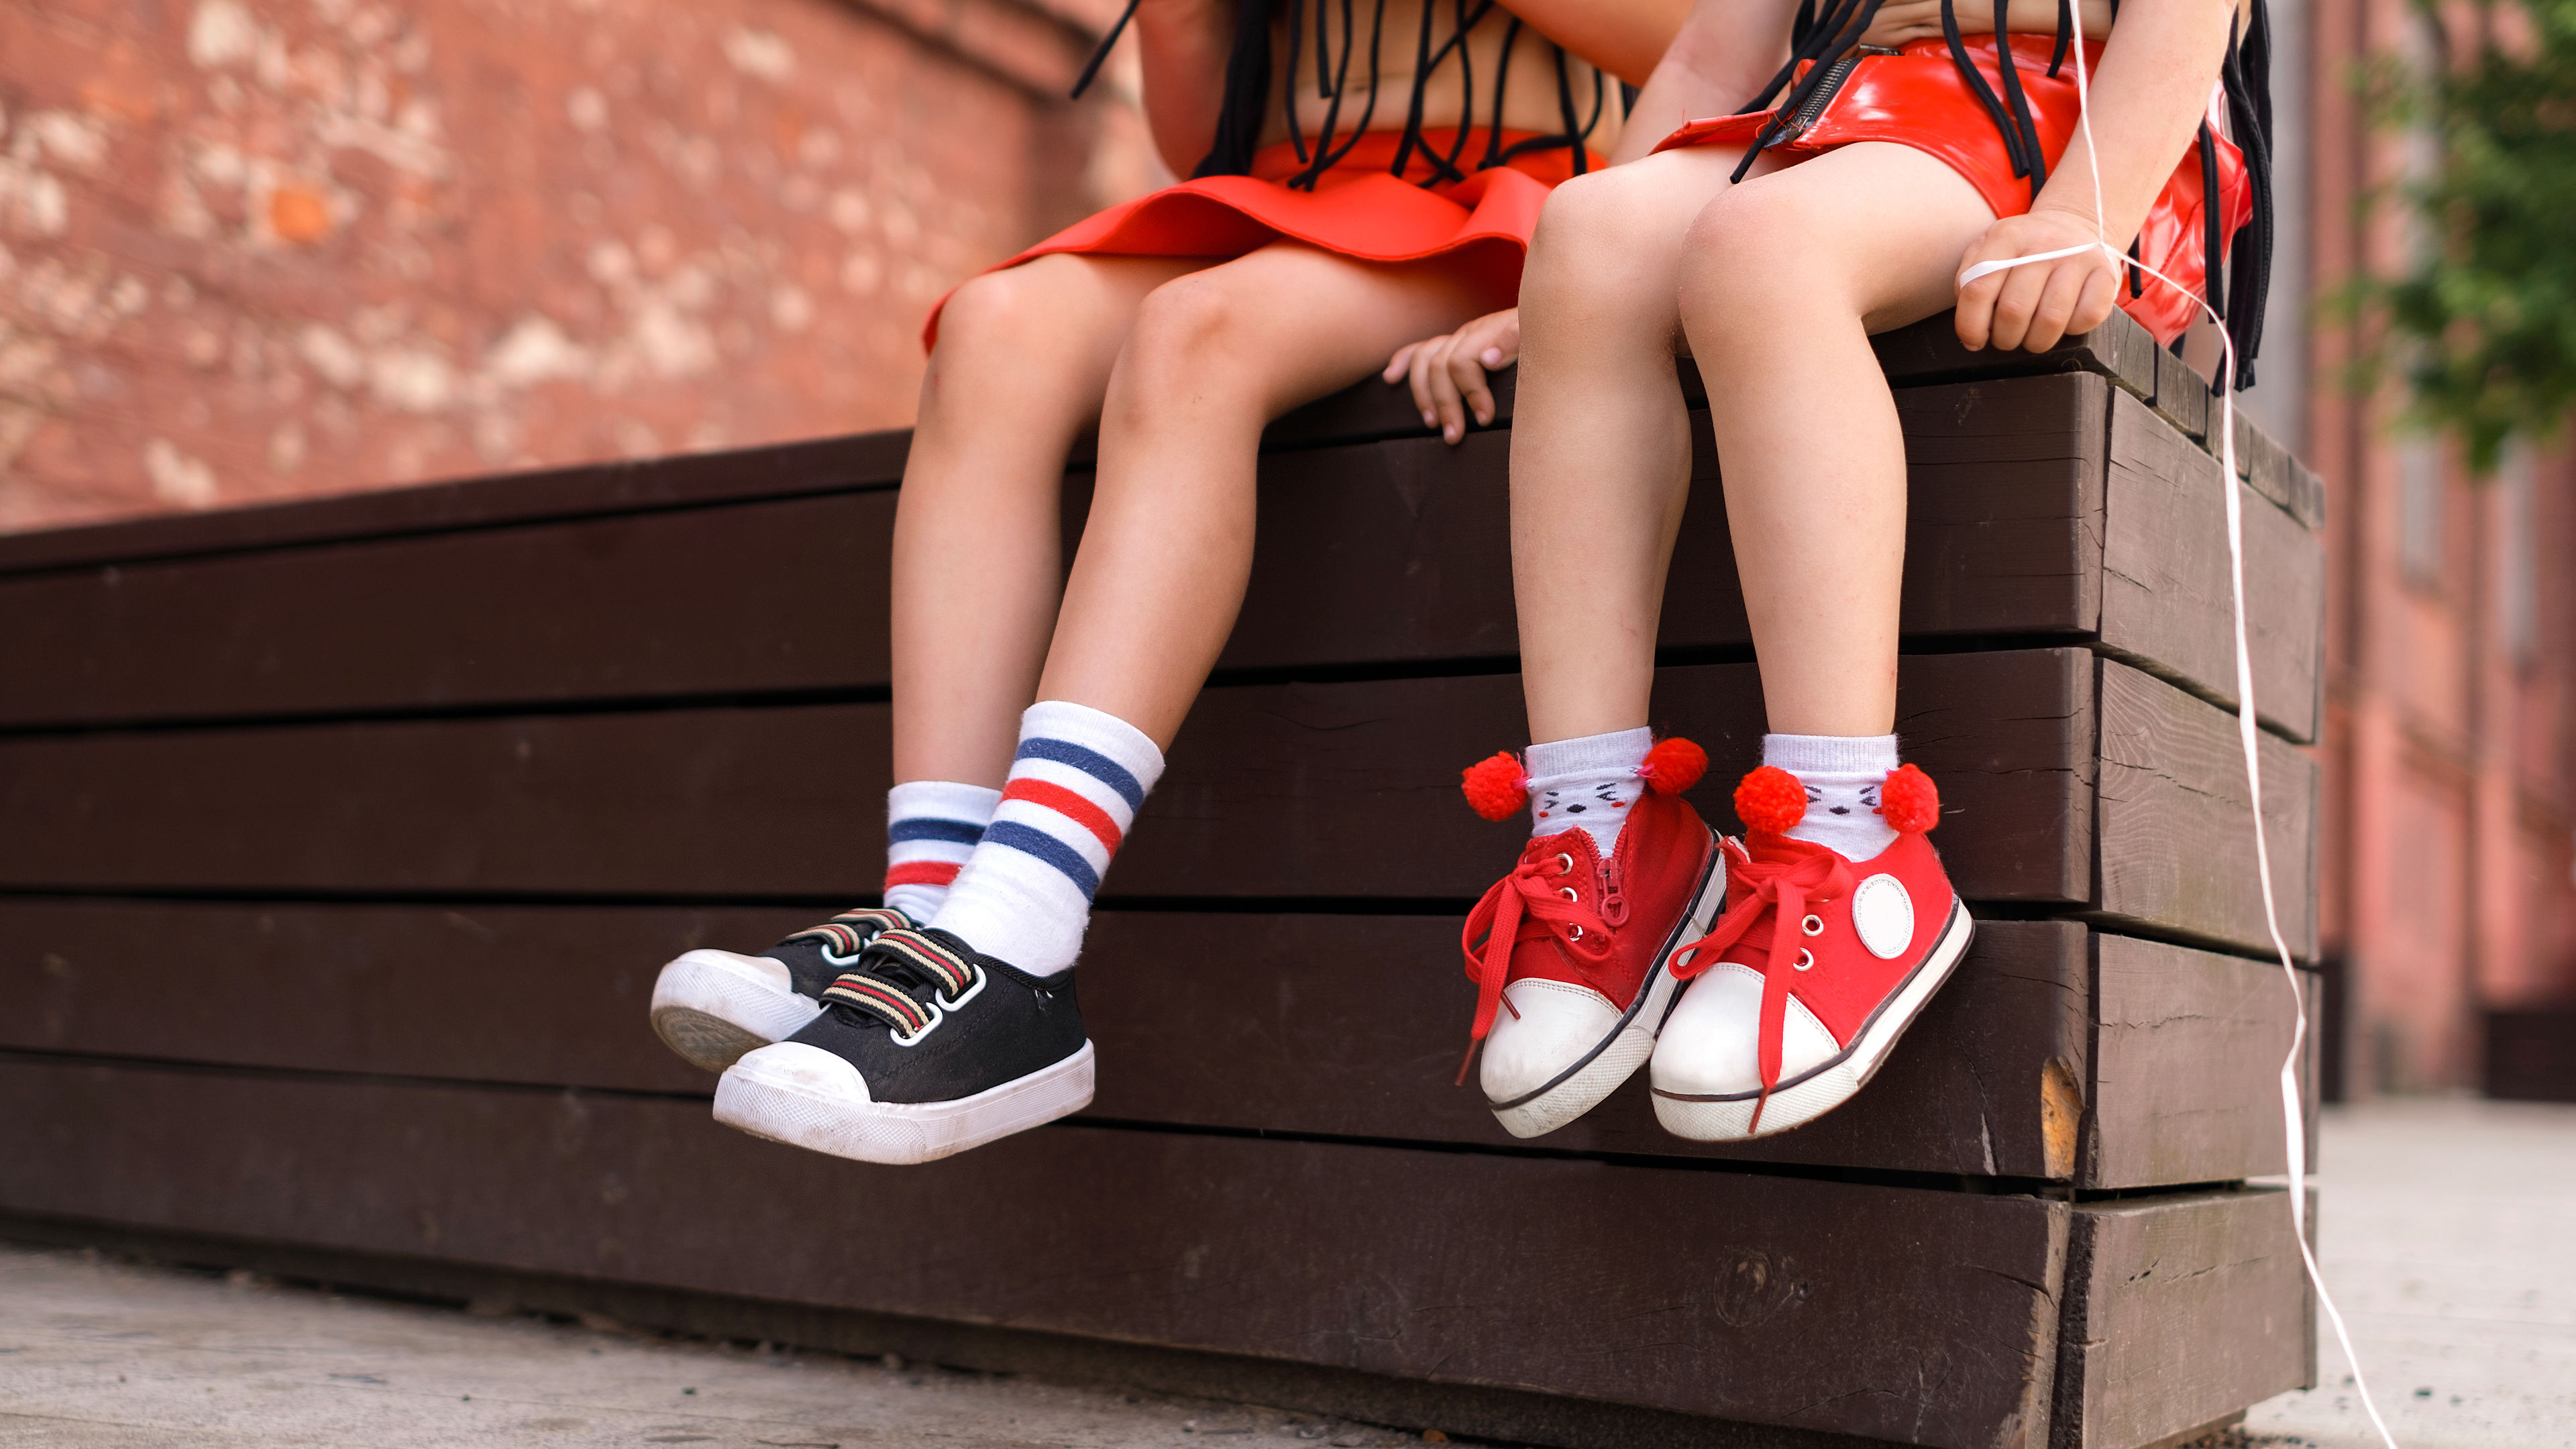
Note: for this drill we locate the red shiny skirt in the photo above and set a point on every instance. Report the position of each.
(1481, 225)
(1919, 99)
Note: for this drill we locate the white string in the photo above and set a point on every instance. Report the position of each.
(2292, 1116)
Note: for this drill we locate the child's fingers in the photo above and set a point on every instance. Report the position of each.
(1451, 406)
(2018, 303)
(1975, 320)
(2101, 296)
(1400, 364)
(1467, 372)
(2058, 298)
(1419, 366)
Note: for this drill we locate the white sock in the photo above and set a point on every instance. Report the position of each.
(1841, 773)
(1591, 782)
(1076, 784)
(931, 827)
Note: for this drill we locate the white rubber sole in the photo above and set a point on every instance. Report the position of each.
(713, 1006)
(900, 1133)
(1596, 1074)
(1795, 1104)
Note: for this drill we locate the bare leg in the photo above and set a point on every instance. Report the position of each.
(1600, 439)
(1786, 277)
(1213, 357)
(1023, 359)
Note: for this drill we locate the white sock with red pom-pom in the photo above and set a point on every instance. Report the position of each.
(1842, 775)
(1591, 782)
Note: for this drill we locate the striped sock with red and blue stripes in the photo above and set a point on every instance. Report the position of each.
(931, 827)
(1076, 784)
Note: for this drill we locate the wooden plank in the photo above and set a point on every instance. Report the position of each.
(775, 595)
(1990, 1082)
(2167, 603)
(2177, 844)
(2186, 1065)
(2182, 395)
(784, 802)
(687, 480)
(2179, 1311)
(1928, 1317)
(2269, 470)
(1393, 552)
(1929, 351)
(1396, 551)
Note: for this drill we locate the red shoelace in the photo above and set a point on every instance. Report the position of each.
(1523, 906)
(1784, 885)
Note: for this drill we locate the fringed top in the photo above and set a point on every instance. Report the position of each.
(1246, 102)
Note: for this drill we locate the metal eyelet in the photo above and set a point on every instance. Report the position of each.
(1574, 933)
(1813, 925)
(1571, 894)
(1806, 960)
(1564, 864)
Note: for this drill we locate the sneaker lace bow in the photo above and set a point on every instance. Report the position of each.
(907, 980)
(1527, 905)
(1782, 884)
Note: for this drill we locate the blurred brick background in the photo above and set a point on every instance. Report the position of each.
(259, 248)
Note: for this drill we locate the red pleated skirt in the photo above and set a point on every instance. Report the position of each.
(1919, 99)
(1358, 209)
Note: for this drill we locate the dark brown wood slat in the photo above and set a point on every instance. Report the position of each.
(1216, 1020)
(745, 474)
(2187, 1065)
(786, 801)
(1923, 1316)
(774, 595)
(1392, 552)
(2182, 396)
(2180, 1311)
(2177, 840)
(2166, 598)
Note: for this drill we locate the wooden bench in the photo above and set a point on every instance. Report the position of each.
(344, 838)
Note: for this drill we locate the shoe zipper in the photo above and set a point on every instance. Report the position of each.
(1614, 904)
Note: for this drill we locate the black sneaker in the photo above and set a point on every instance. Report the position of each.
(922, 1049)
(712, 1006)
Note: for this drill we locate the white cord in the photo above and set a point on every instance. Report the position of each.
(2293, 1116)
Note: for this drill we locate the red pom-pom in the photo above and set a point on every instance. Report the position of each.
(1771, 800)
(1674, 765)
(1908, 802)
(1496, 788)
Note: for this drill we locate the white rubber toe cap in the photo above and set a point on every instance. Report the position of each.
(1711, 1044)
(1557, 1026)
(807, 1071)
(753, 971)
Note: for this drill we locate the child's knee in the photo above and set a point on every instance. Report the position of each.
(1194, 323)
(1588, 224)
(1750, 252)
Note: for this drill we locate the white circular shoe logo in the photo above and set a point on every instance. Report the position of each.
(1884, 915)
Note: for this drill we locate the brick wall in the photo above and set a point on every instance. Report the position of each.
(252, 249)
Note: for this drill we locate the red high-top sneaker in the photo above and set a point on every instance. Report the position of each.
(1569, 953)
(1817, 967)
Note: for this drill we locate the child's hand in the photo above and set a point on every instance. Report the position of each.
(2035, 305)
(1449, 372)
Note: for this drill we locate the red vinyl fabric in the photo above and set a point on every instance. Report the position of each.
(1359, 208)
(1919, 99)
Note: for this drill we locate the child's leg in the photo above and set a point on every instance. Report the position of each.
(1600, 438)
(1023, 359)
(1213, 358)
(1847, 922)
(1787, 277)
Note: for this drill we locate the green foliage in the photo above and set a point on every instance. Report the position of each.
(2484, 324)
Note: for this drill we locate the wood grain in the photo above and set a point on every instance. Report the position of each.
(1923, 1316)
(1929, 351)
(1350, 790)
(2167, 602)
(2177, 850)
(2187, 1059)
(2179, 1311)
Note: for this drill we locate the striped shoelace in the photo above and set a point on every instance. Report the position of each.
(887, 983)
(846, 934)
